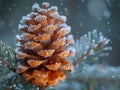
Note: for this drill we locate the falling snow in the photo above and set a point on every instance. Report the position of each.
(83, 16)
(83, 1)
(9, 9)
(14, 4)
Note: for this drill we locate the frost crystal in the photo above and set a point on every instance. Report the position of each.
(20, 26)
(18, 44)
(46, 4)
(72, 51)
(55, 15)
(107, 41)
(36, 7)
(42, 10)
(31, 14)
(63, 25)
(33, 28)
(53, 8)
(40, 17)
(70, 37)
(18, 37)
(63, 18)
(67, 29)
(24, 19)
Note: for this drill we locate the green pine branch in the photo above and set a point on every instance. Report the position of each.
(7, 56)
(91, 46)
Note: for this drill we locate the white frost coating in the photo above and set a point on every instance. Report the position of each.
(40, 17)
(101, 36)
(31, 14)
(90, 41)
(67, 29)
(46, 4)
(0, 62)
(55, 8)
(93, 42)
(30, 28)
(63, 18)
(107, 48)
(107, 41)
(24, 19)
(72, 49)
(33, 28)
(92, 52)
(85, 36)
(23, 36)
(42, 10)
(29, 47)
(55, 15)
(36, 7)
(19, 44)
(63, 25)
(70, 37)
(21, 66)
(20, 26)
(18, 50)
(18, 37)
(94, 31)
(64, 39)
(10, 75)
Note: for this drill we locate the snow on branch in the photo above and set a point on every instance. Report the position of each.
(99, 77)
(7, 64)
(93, 45)
(7, 57)
(97, 73)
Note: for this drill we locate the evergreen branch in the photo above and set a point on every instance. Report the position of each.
(6, 52)
(88, 52)
(93, 45)
(100, 79)
(7, 56)
(7, 65)
(97, 73)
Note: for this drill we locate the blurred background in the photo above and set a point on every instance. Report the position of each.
(82, 15)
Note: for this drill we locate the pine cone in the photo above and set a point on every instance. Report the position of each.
(42, 46)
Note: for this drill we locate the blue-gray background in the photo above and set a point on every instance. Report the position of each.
(82, 15)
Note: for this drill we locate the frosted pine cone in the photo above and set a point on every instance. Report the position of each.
(42, 46)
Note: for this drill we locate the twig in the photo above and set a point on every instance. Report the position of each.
(90, 87)
(87, 53)
(7, 88)
(7, 65)
(41, 88)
